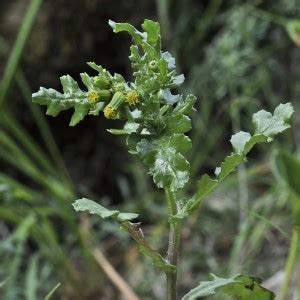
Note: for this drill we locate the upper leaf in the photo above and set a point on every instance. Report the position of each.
(239, 286)
(137, 36)
(153, 32)
(266, 126)
(165, 160)
(94, 208)
(72, 97)
(269, 125)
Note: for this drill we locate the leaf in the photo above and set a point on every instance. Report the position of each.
(87, 81)
(178, 123)
(165, 160)
(81, 110)
(204, 187)
(243, 287)
(239, 140)
(185, 106)
(72, 97)
(138, 37)
(168, 97)
(169, 59)
(269, 125)
(129, 127)
(153, 32)
(94, 208)
(247, 288)
(206, 184)
(266, 126)
(178, 80)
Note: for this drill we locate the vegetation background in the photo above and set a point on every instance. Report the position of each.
(237, 56)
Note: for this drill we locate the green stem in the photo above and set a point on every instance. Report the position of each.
(173, 247)
(290, 264)
(137, 234)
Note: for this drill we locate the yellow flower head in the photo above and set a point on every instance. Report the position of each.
(132, 97)
(109, 113)
(93, 97)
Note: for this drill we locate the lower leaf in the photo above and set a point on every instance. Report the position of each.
(240, 287)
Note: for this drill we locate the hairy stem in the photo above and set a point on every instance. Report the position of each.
(173, 247)
(290, 264)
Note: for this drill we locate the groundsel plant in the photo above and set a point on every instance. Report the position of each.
(156, 121)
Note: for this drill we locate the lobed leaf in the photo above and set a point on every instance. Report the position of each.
(129, 127)
(164, 157)
(269, 125)
(153, 32)
(137, 36)
(266, 126)
(72, 97)
(94, 208)
(239, 286)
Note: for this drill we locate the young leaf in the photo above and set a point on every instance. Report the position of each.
(239, 286)
(153, 32)
(266, 126)
(269, 125)
(137, 36)
(94, 208)
(129, 127)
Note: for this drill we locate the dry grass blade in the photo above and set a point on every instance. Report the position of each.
(114, 276)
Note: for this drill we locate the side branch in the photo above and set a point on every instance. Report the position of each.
(137, 234)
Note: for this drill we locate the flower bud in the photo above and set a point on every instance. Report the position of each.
(110, 111)
(153, 65)
(104, 95)
(119, 87)
(101, 82)
(93, 97)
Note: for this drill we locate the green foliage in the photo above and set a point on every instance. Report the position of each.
(123, 218)
(157, 118)
(156, 123)
(96, 209)
(266, 126)
(239, 286)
